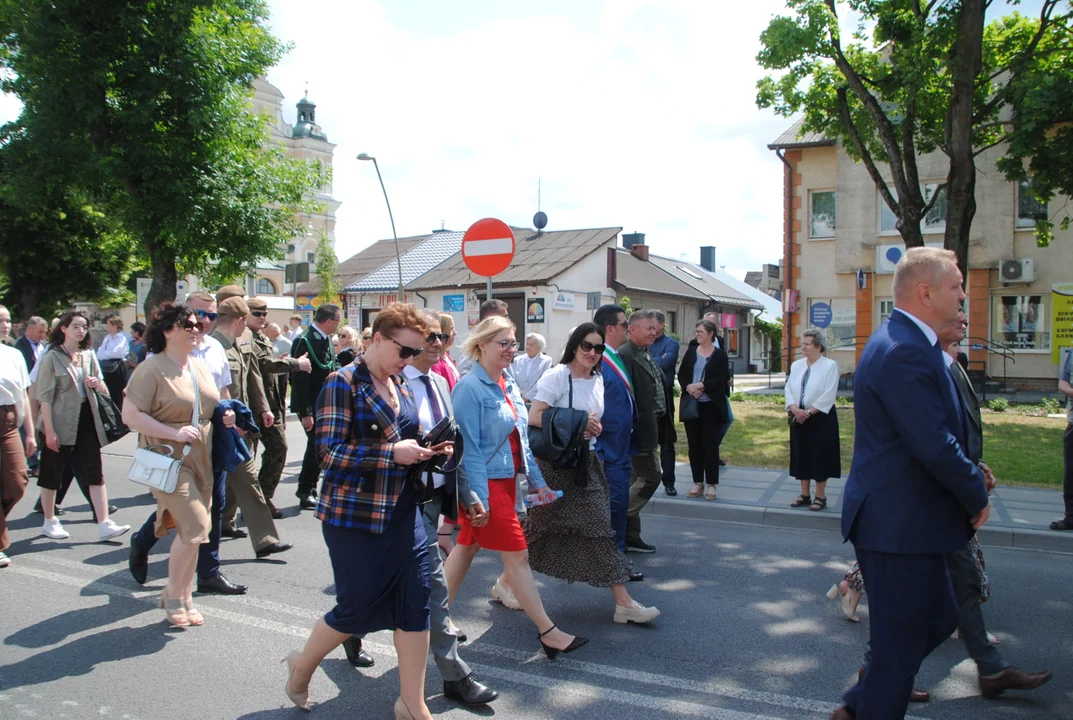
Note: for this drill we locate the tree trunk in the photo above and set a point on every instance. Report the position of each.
(965, 62)
(29, 297)
(911, 215)
(164, 279)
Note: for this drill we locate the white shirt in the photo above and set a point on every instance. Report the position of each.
(822, 385)
(212, 353)
(528, 371)
(924, 327)
(114, 347)
(424, 408)
(13, 380)
(33, 373)
(554, 390)
(282, 346)
(293, 333)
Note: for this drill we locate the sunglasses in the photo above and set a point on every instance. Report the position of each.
(443, 337)
(405, 351)
(211, 317)
(625, 324)
(587, 346)
(189, 326)
(259, 313)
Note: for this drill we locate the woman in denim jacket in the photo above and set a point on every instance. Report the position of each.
(492, 420)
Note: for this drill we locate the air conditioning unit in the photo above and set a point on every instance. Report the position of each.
(1019, 270)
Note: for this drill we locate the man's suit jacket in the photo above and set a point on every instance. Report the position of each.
(450, 502)
(305, 387)
(974, 443)
(911, 488)
(646, 384)
(617, 438)
(25, 347)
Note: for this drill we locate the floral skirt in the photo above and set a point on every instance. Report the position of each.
(855, 581)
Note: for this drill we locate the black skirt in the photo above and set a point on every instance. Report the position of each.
(815, 451)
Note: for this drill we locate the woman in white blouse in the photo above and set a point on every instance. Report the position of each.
(572, 538)
(112, 355)
(815, 452)
(530, 367)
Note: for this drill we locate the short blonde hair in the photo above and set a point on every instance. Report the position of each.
(447, 323)
(485, 331)
(347, 332)
(921, 264)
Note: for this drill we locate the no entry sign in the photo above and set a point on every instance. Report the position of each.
(488, 247)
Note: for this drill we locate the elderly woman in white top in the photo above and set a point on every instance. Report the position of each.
(530, 367)
(815, 453)
(113, 354)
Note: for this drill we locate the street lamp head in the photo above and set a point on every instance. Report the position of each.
(366, 156)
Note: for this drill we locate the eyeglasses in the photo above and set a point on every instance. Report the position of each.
(587, 346)
(405, 351)
(433, 336)
(259, 313)
(189, 326)
(507, 344)
(211, 317)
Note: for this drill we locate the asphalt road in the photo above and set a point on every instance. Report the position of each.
(746, 632)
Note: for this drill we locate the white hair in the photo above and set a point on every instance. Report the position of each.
(540, 341)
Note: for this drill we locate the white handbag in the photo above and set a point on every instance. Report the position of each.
(156, 470)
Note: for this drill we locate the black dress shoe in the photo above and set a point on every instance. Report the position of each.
(639, 546)
(219, 585)
(138, 562)
(468, 691)
(277, 514)
(309, 502)
(276, 547)
(357, 656)
(670, 490)
(722, 463)
(637, 577)
(233, 533)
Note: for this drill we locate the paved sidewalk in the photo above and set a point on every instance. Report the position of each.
(1019, 516)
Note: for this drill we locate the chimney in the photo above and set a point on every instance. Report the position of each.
(707, 257)
(640, 251)
(631, 239)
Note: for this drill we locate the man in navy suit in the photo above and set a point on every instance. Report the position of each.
(912, 494)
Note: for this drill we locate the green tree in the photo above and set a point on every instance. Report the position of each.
(926, 76)
(327, 262)
(146, 105)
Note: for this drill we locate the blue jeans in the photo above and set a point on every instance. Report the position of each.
(208, 554)
(722, 431)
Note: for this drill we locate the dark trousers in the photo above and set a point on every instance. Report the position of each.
(273, 458)
(69, 476)
(208, 554)
(1067, 485)
(703, 437)
(912, 611)
(310, 474)
(116, 382)
(725, 427)
(13, 474)
(618, 484)
(666, 461)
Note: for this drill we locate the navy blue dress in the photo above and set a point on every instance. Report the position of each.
(381, 579)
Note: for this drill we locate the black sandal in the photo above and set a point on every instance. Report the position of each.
(1061, 525)
(818, 504)
(801, 501)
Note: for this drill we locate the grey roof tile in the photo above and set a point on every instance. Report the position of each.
(794, 138)
(421, 258)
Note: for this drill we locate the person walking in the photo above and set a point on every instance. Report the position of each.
(664, 352)
(703, 376)
(345, 343)
(1065, 386)
(273, 437)
(912, 494)
(492, 423)
(163, 395)
(32, 345)
(620, 417)
(112, 354)
(572, 538)
(815, 449)
(446, 367)
(716, 320)
(316, 344)
(366, 432)
(648, 383)
(15, 418)
(531, 365)
(69, 426)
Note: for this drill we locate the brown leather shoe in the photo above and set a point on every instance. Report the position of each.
(916, 695)
(841, 713)
(1012, 679)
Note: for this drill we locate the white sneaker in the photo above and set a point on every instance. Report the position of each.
(108, 530)
(54, 530)
(4, 560)
(635, 613)
(506, 596)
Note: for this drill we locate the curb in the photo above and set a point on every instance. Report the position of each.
(825, 520)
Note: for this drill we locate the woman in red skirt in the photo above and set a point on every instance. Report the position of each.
(496, 451)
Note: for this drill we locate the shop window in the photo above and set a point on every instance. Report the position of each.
(265, 287)
(822, 204)
(1020, 321)
(1029, 209)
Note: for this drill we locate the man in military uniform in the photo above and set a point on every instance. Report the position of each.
(274, 438)
(242, 488)
(316, 344)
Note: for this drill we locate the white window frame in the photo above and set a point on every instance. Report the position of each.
(880, 302)
(834, 230)
(1025, 223)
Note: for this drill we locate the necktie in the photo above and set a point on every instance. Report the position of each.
(433, 403)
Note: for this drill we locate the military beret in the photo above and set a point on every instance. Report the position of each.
(229, 291)
(234, 307)
(257, 303)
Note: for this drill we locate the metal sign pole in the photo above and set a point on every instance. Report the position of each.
(489, 289)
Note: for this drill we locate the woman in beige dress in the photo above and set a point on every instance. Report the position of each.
(160, 406)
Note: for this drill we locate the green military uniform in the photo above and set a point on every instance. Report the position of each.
(243, 490)
(274, 457)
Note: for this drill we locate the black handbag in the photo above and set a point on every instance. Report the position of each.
(560, 441)
(689, 408)
(445, 431)
(110, 415)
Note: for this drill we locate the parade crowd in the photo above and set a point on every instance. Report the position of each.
(416, 460)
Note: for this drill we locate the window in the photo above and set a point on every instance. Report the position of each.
(311, 257)
(672, 321)
(837, 317)
(886, 307)
(1029, 209)
(1020, 321)
(822, 213)
(266, 287)
(935, 220)
(730, 342)
(888, 221)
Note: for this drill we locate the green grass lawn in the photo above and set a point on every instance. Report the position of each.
(1022, 450)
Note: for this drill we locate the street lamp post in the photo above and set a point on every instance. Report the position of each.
(398, 256)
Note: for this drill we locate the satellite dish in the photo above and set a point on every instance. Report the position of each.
(540, 220)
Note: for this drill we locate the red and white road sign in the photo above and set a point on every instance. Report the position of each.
(488, 247)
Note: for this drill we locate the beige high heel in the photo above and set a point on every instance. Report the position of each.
(301, 700)
(849, 607)
(174, 610)
(401, 711)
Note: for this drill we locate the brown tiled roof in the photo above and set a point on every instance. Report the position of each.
(361, 264)
(793, 138)
(538, 257)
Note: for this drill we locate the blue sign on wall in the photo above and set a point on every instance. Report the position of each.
(819, 315)
(454, 303)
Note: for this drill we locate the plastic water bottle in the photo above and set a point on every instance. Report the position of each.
(533, 500)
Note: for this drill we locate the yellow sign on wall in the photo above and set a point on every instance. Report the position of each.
(1061, 319)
